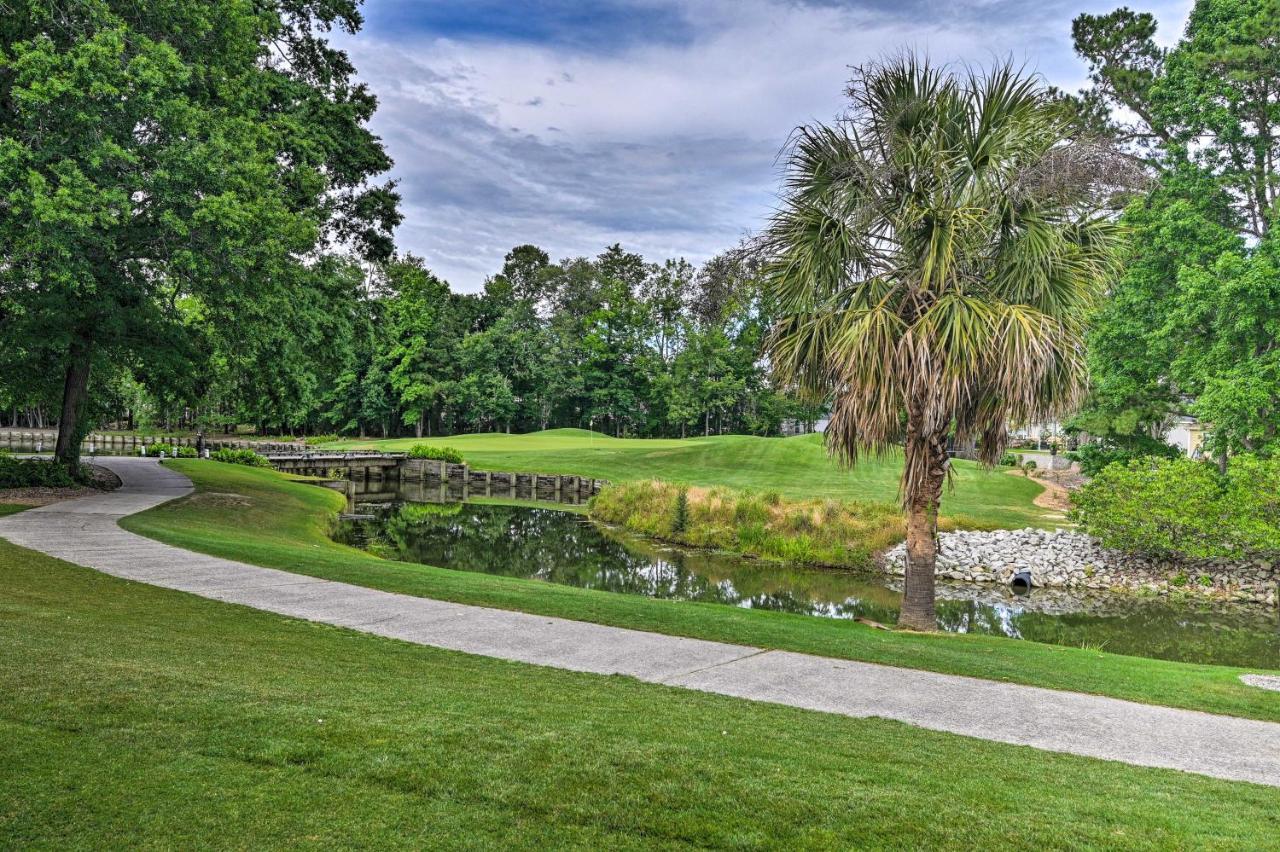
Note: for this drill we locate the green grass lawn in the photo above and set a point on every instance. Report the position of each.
(132, 716)
(264, 518)
(796, 467)
(12, 508)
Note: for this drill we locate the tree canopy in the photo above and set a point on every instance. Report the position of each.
(1193, 327)
(173, 173)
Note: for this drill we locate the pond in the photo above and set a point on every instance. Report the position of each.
(563, 547)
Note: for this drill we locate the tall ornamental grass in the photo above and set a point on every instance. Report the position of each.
(842, 533)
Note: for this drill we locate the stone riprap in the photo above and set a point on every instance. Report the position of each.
(1262, 681)
(1065, 560)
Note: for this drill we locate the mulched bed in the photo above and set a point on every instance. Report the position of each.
(103, 480)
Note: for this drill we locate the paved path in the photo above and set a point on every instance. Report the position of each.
(85, 532)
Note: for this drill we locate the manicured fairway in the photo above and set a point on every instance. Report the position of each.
(261, 517)
(137, 717)
(797, 467)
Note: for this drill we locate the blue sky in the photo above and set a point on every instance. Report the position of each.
(653, 123)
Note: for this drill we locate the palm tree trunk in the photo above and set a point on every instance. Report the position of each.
(926, 456)
(918, 608)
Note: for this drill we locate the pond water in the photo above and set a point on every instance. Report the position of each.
(563, 547)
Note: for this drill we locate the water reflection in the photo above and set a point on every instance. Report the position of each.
(561, 547)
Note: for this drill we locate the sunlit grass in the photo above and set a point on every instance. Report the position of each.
(265, 518)
(793, 467)
(136, 717)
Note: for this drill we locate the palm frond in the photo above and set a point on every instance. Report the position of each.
(934, 259)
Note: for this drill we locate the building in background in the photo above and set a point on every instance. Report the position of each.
(1187, 434)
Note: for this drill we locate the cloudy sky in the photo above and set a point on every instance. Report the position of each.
(574, 124)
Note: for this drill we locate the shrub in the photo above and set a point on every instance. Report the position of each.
(316, 440)
(170, 451)
(680, 522)
(38, 473)
(1028, 466)
(1010, 460)
(1094, 458)
(1184, 507)
(245, 457)
(445, 454)
(1252, 502)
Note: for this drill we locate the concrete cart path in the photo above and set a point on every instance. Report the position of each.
(84, 531)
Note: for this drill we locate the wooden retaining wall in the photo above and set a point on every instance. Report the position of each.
(443, 475)
(497, 483)
(434, 473)
(38, 440)
(297, 458)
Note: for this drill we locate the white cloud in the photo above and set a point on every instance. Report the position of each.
(668, 146)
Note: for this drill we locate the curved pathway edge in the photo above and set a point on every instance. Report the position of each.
(85, 532)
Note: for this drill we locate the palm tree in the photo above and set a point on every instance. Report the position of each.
(934, 258)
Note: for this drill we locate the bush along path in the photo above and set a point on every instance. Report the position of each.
(86, 532)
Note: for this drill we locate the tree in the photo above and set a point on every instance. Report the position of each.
(934, 261)
(665, 293)
(526, 269)
(1134, 339)
(418, 360)
(1191, 327)
(1213, 100)
(1124, 64)
(155, 152)
(706, 382)
(1228, 321)
(483, 394)
(529, 358)
(1220, 99)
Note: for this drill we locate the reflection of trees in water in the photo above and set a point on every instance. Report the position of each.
(956, 616)
(564, 548)
(1167, 632)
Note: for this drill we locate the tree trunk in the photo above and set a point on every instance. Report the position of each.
(75, 390)
(417, 428)
(926, 457)
(918, 608)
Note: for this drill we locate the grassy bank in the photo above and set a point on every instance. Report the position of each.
(262, 517)
(794, 467)
(841, 533)
(132, 716)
